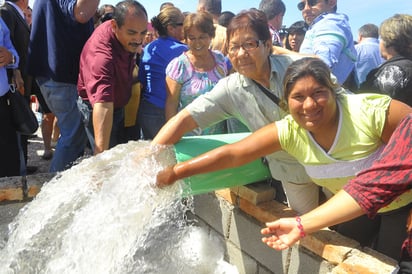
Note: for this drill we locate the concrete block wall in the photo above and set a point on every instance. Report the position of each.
(237, 215)
(238, 222)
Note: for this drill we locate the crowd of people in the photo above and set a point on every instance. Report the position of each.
(323, 107)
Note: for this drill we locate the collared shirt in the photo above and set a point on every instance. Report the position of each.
(368, 57)
(106, 69)
(330, 38)
(19, 10)
(56, 41)
(239, 97)
(276, 41)
(6, 42)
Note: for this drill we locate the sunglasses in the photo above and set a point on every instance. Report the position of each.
(311, 3)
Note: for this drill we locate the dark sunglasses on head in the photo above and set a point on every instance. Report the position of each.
(311, 3)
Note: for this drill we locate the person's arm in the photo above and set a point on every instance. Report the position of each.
(282, 51)
(396, 112)
(102, 125)
(262, 142)
(175, 128)
(328, 46)
(8, 54)
(283, 233)
(173, 97)
(84, 10)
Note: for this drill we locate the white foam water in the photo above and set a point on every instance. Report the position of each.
(105, 215)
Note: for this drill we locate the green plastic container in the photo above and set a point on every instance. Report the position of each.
(193, 146)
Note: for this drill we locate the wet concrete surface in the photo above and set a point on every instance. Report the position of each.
(7, 213)
(8, 210)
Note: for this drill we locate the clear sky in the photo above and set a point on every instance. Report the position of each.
(359, 11)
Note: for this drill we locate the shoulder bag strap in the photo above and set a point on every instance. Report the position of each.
(269, 94)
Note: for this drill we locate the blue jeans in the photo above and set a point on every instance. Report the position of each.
(61, 99)
(151, 119)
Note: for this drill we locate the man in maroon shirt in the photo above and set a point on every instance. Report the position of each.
(106, 66)
(372, 189)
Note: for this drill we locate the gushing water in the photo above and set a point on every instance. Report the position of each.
(105, 215)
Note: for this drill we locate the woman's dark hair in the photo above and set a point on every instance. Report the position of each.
(253, 19)
(309, 66)
(225, 18)
(167, 16)
(298, 27)
(201, 20)
(122, 9)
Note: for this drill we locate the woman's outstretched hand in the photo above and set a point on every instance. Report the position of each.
(166, 177)
(282, 233)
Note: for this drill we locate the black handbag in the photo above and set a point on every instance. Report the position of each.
(23, 118)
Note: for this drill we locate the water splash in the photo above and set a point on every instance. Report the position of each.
(105, 215)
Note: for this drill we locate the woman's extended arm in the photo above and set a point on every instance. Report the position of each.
(284, 232)
(256, 145)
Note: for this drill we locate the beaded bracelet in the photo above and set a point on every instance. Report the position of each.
(300, 226)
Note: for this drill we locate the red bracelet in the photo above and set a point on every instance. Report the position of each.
(300, 226)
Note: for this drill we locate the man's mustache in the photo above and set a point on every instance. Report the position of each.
(135, 44)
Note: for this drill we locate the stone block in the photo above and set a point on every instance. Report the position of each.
(245, 234)
(329, 245)
(214, 211)
(361, 262)
(255, 193)
(243, 262)
(304, 261)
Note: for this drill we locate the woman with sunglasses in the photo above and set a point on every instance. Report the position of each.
(333, 134)
(242, 95)
(156, 56)
(329, 37)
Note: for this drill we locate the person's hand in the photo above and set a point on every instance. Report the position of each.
(5, 57)
(282, 233)
(166, 177)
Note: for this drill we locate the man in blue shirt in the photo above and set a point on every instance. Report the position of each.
(368, 53)
(9, 159)
(59, 31)
(329, 37)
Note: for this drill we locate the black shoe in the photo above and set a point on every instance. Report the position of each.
(47, 155)
(31, 169)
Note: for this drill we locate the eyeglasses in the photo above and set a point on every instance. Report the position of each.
(311, 3)
(247, 46)
(177, 24)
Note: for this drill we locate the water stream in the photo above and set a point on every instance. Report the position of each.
(104, 215)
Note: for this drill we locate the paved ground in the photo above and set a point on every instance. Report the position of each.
(35, 151)
(9, 210)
